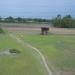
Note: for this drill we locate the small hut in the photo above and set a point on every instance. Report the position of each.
(44, 30)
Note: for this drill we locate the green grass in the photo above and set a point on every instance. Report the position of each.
(59, 50)
(25, 63)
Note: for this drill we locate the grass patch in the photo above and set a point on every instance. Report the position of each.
(59, 50)
(26, 63)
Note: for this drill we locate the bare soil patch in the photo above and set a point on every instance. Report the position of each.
(70, 31)
(67, 72)
(36, 28)
(63, 31)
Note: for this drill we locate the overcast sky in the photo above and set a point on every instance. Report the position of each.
(36, 8)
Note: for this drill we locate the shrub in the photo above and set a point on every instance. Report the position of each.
(14, 51)
(1, 30)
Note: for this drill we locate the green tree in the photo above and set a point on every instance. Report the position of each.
(9, 19)
(57, 21)
(0, 19)
(67, 21)
(19, 20)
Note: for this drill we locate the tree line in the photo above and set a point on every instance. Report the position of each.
(11, 19)
(61, 22)
(64, 22)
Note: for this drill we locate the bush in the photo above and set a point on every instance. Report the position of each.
(14, 51)
(64, 22)
(1, 30)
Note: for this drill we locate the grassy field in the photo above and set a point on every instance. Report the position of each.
(59, 51)
(25, 63)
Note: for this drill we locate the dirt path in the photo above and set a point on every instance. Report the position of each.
(33, 48)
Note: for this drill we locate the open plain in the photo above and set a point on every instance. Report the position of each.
(58, 49)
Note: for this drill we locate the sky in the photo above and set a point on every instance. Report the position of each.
(37, 8)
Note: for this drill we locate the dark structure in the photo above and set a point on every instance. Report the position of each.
(44, 30)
